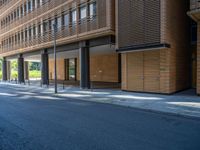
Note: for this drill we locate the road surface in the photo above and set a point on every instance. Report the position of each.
(34, 121)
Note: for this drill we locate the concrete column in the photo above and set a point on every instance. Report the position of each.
(45, 67)
(4, 70)
(26, 70)
(84, 56)
(21, 69)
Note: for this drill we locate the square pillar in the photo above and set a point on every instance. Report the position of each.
(21, 69)
(4, 70)
(45, 67)
(84, 56)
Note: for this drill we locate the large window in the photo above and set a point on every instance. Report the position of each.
(59, 22)
(39, 30)
(71, 69)
(74, 19)
(30, 33)
(66, 20)
(34, 31)
(45, 26)
(83, 12)
(29, 6)
(92, 10)
(52, 24)
(18, 12)
(26, 34)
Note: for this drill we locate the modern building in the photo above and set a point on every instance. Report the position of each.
(143, 45)
(194, 13)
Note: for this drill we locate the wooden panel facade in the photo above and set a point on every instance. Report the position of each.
(165, 70)
(152, 71)
(135, 77)
(143, 71)
(103, 68)
(177, 34)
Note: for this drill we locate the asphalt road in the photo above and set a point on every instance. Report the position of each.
(33, 121)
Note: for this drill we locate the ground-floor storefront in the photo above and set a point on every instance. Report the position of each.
(164, 70)
(103, 67)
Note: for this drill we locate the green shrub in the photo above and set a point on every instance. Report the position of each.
(34, 74)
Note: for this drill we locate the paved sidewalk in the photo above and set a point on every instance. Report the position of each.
(180, 104)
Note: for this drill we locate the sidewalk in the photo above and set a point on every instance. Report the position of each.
(181, 104)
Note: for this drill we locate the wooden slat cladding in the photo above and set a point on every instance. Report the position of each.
(99, 24)
(138, 22)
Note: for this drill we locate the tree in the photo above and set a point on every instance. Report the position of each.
(14, 65)
(1, 64)
(34, 66)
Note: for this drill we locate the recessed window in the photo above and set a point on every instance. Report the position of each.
(34, 30)
(74, 17)
(66, 20)
(59, 22)
(92, 9)
(45, 26)
(52, 24)
(83, 12)
(30, 32)
(71, 69)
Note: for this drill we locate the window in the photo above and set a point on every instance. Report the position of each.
(83, 12)
(66, 20)
(12, 16)
(22, 10)
(34, 31)
(74, 17)
(52, 24)
(18, 39)
(22, 36)
(45, 26)
(92, 10)
(30, 32)
(29, 6)
(39, 29)
(26, 34)
(59, 22)
(18, 12)
(33, 4)
(70, 68)
(25, 8)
